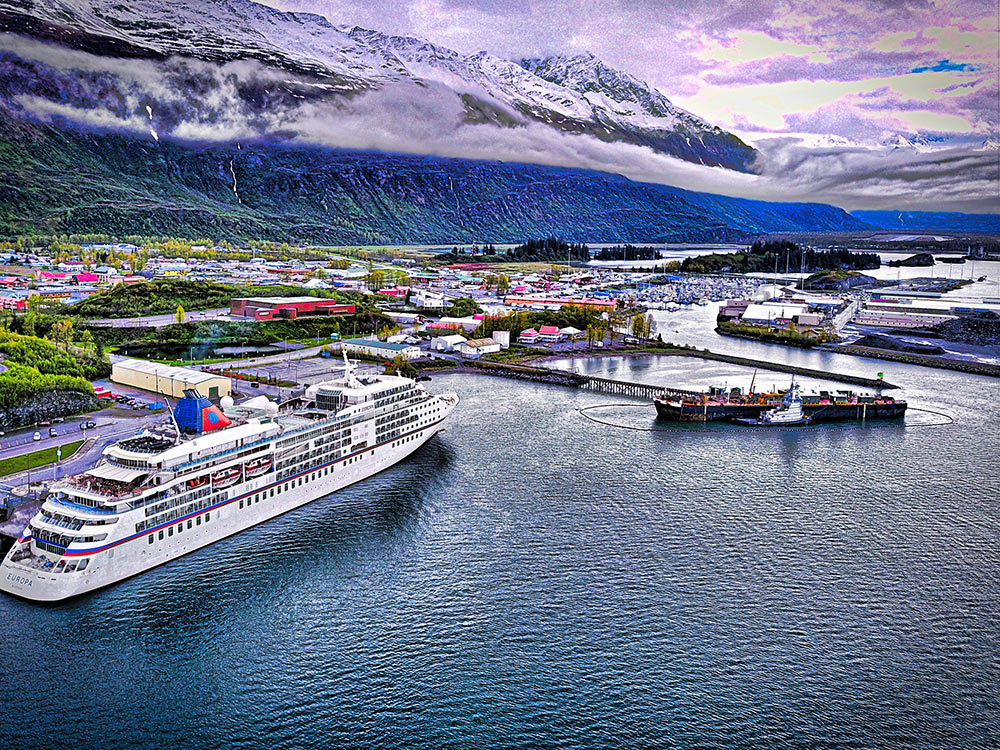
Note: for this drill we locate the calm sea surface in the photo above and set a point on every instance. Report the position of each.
(532, 578)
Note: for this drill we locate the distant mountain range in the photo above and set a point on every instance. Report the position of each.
(931, 221)
(227, 118)
(306, 64)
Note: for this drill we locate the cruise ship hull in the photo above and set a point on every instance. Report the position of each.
(247, 504)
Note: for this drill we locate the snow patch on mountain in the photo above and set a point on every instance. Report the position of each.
(580, 94)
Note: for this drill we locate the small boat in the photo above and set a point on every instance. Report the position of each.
(197, 481)
(258, 466)
(787, 414)
(226, 477)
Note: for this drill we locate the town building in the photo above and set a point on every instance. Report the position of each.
(529, 336)
(381, 349)
(428, 299)
(447, 343)
(550, 334)
(475, 348)
(763, 314)
(169, 380)
(270, 308)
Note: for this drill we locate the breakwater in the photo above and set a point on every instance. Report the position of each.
(910, 358)
(538, 374)
(874, 383)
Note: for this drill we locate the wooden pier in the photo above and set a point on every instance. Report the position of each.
(576, 380)
(634, 390)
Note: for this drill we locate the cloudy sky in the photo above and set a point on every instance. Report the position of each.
(888, 104)
(860, 71)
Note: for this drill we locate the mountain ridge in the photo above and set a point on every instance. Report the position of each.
(71, 179)
(332, 64)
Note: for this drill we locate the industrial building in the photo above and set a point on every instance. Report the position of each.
(270, 308)
(476, 348)
(169, 380)
(376, 348)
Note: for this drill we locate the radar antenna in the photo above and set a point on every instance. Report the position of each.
(349, 371)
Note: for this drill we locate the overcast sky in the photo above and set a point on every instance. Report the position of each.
(861, 70)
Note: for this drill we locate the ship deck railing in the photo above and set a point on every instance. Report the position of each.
(104, 492)
(82, 507)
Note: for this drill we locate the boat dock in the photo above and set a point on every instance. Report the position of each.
(635, 390)
(577, 380)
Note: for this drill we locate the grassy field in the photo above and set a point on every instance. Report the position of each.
(36, 459)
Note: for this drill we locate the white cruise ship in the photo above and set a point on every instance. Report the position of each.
(158, 496)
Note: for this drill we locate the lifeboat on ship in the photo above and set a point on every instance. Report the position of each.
(257, 467)
(226, 477)
(197, 482)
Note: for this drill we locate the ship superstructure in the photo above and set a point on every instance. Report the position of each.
(157, 496)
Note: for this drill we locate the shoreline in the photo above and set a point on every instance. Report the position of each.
(923, 360)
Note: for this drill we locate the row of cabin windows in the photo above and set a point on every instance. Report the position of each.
(405, 440)
(177, 512)
(297, 482)
(180, 499)
(179, 527)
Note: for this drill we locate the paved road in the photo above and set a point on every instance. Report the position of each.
(82, 460)
(19, 441)
(272, 359)
(158, 321)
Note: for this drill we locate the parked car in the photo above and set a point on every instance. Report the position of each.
(58, 420)
(37, 436)
(44, 424)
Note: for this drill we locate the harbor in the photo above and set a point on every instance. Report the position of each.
(561, 556)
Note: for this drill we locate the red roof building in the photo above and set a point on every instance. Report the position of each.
(270, 308)
(530, 336)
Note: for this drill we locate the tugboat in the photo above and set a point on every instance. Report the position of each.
(787, 414)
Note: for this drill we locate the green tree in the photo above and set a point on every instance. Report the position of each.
(463, 307)
(62, 332)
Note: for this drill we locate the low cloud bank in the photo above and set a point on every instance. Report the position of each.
(193, 100)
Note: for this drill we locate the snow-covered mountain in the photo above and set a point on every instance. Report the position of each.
(212, 68)
(918, 142)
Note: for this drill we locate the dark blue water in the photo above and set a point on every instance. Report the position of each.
(534, 579)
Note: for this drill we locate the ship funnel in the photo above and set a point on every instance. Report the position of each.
(195, 413)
